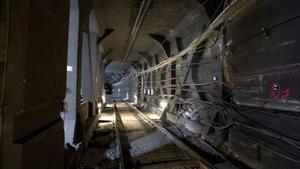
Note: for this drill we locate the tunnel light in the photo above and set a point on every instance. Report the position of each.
(135, 99)
(99, 105)
(69, 68)
(163, 104)
(103, 98)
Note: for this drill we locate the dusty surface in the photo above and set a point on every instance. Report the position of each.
(95, 156)
(144, 146)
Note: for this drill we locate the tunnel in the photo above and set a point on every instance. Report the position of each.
(149, 84)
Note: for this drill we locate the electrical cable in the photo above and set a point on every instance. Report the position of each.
(135, 30)
(216, 11)
(232, 9)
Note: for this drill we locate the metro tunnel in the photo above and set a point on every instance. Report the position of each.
(149, 84)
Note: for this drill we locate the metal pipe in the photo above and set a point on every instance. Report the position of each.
(136, 30)
(138, 17)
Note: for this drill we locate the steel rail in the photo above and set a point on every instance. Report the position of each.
(202, 162)
(118, 140)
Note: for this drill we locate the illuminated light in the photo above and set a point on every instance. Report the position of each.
(103, 98)
(163, 104)
(99, 105)
(69, 68)
(105, 118)
(127, 96)
(119, 90)
(135, 99)
(110, 105)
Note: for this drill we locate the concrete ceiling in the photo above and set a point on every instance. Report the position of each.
(162, 18)
(114, 14)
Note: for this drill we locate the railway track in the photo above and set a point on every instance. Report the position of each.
(143, 143)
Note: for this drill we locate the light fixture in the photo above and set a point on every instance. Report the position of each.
(135, 99)
(69, 68)
(103, 98)
(163, 104)
(152, 92)
(99, 105)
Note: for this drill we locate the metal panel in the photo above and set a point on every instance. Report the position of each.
(263, 44)
(36, 77)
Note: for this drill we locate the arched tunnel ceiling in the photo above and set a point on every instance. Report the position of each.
(115, 71)
(162, 18)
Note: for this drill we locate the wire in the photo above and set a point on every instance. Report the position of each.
(139, 20)
(154, 46)
(216, 11)
(203, 48)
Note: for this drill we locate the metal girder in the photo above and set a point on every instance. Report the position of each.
(107, 32)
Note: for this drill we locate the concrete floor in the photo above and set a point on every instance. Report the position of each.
(145, 146)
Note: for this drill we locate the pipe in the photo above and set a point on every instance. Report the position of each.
(136, 27)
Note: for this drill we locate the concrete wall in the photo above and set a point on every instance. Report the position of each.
(51, 62)
(35, 88)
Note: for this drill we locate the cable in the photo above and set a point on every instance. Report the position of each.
(228, 12)
(216, 11)
(135, 30)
